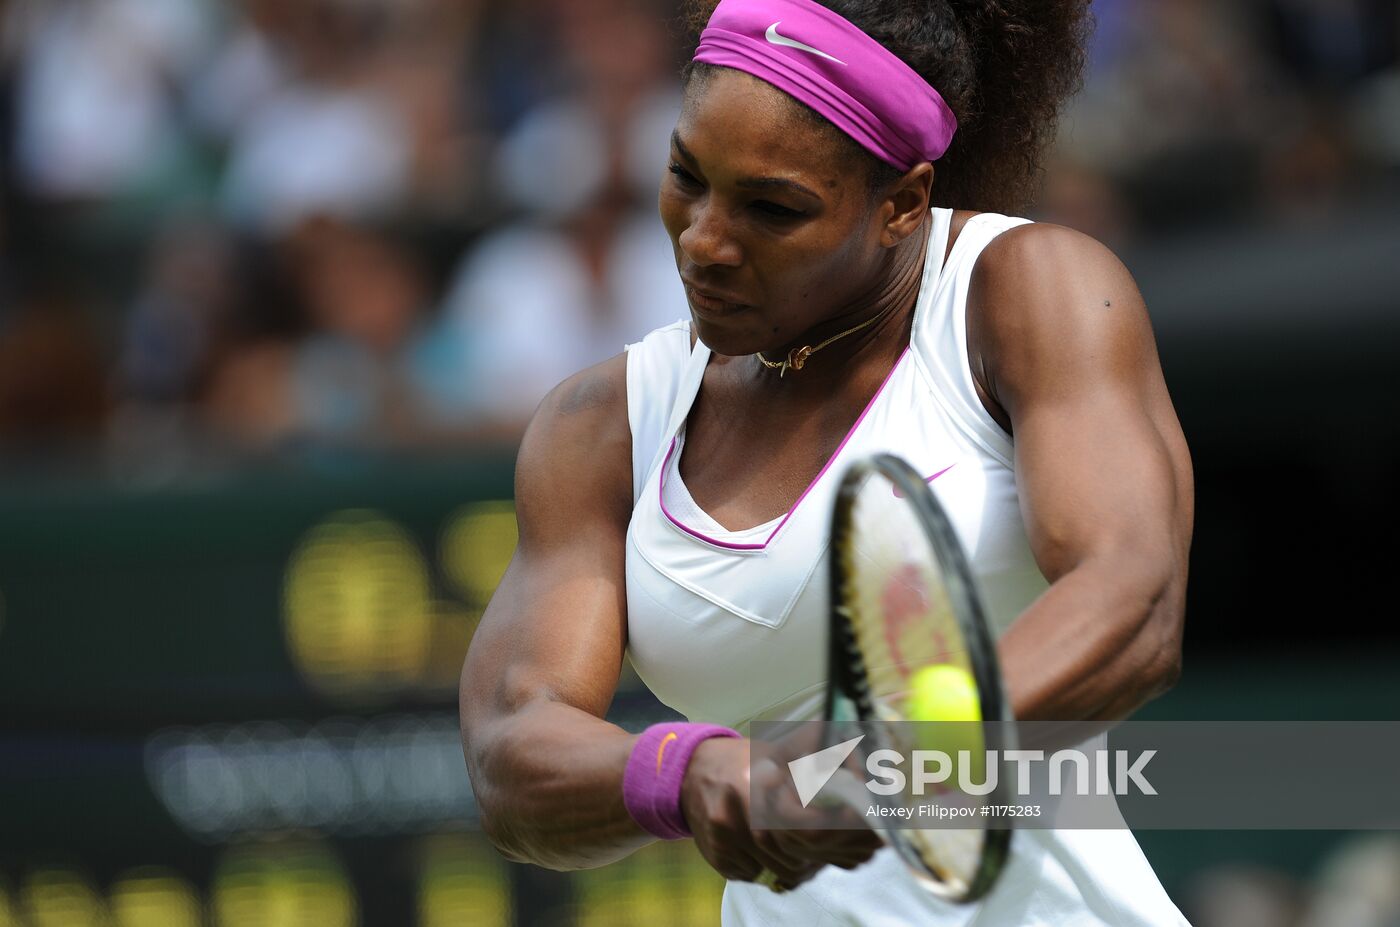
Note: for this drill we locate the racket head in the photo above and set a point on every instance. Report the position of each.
(903, 598)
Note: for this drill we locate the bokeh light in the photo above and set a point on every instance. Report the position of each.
(297, 883)
(453, 626)
(154, 897)
(665, 883)
(463, 881)
(357, 606)
(7, 911)
(477, 545)
(61, 898)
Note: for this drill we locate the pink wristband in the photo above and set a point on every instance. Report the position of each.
(651, 784)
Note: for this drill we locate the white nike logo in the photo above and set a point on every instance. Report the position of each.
(776, 39)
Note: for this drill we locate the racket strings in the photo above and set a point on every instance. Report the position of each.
(901, 616)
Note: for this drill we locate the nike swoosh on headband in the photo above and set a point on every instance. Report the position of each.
(774, 37)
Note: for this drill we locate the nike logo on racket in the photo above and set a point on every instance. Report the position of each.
(775, 38)
(927, 479)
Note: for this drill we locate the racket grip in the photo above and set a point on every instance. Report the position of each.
(651, 783)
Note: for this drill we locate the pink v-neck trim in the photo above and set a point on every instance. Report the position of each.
(666, 466)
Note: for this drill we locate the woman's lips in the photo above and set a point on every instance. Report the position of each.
(707, 304)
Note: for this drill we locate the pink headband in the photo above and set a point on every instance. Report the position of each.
(816, 56)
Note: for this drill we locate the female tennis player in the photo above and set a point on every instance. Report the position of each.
(837, 195)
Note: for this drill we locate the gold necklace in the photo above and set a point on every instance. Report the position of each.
(797, 357)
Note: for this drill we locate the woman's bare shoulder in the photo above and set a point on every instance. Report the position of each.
(1049, 305)
(576, 457)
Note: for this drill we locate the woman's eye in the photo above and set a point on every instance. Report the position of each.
(684, 176)
(777, 211)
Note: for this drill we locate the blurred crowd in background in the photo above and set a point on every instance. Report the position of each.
(1356, 885)
(253, 223)
(234, 226)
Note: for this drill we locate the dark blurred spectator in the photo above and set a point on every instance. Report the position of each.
(1374, 116)
(364, 296)
(365, 368)
(191, 290)
(1082, 198)
(1309, 169)
(428, 70)
(1176, 110)
(1332, 44)
(1243, 896)
(249, 398)
(1359, 886)
(53, 376)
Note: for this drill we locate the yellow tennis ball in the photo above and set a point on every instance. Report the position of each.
(947, 693)
(943, 693)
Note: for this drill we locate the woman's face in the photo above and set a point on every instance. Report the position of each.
(773, 233)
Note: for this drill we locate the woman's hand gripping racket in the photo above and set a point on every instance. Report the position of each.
(910, 645)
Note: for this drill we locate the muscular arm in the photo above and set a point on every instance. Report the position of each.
(544, 663)
(1060, 341)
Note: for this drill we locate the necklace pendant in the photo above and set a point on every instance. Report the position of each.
(798, 357)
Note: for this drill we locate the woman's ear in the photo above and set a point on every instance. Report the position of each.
(906, 203)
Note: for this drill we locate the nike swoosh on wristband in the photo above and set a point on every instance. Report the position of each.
(662, 749)
(776, 39)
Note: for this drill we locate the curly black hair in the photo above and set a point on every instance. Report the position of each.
(1004, 67)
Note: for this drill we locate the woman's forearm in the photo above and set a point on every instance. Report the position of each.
(548, 781)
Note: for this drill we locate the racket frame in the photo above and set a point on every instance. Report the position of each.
(847, 675)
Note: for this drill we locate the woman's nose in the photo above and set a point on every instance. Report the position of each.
(708, 241)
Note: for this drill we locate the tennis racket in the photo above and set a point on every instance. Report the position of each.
(903, 600)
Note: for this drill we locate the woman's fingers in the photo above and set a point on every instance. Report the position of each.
(769, 849)
(845, 848)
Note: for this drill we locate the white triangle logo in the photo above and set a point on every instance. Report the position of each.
(811, 772)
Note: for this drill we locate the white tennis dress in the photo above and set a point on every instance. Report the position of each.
(729, 626)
